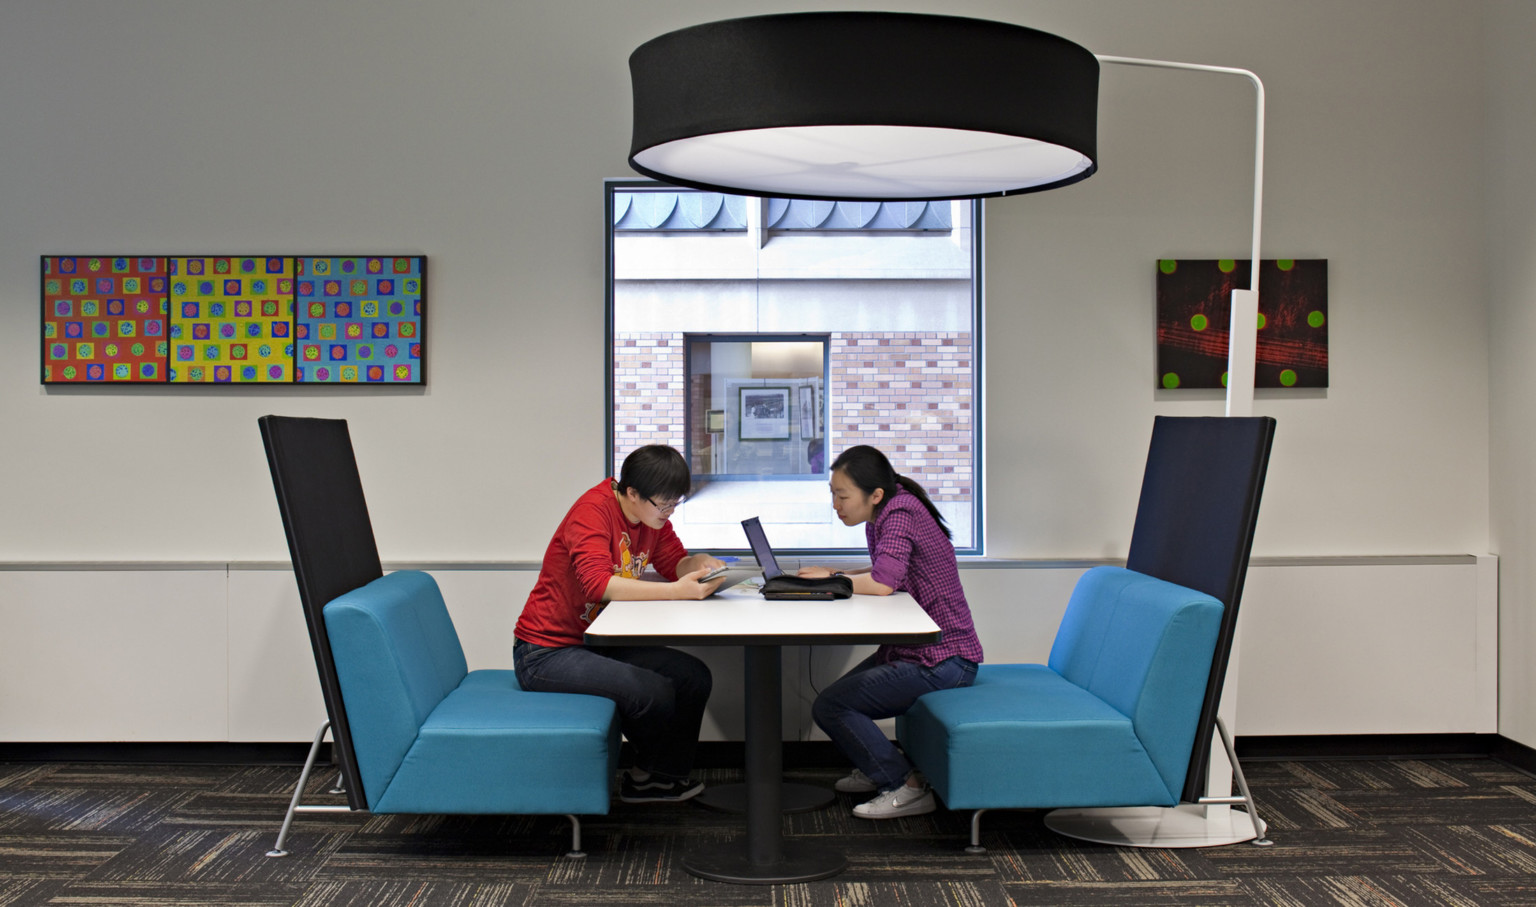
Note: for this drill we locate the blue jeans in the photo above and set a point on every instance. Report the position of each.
(847, 710)
(660, 693)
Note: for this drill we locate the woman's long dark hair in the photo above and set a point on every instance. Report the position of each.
(868, 468)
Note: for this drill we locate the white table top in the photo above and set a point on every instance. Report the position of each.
(741, 616)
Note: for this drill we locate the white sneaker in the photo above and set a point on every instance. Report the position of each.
(903, 801)
(856, 783)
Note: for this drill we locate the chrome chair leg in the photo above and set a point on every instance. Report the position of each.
(298, 794)
(1242, 785)
(1246, 800)
(975, 845)
(575, 852)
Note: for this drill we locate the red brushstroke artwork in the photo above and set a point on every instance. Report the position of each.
(1194, 317)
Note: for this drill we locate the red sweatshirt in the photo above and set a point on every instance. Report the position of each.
(593, 544)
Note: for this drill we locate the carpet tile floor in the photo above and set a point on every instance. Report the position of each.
(1359, 833)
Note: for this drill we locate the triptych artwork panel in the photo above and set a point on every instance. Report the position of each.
(104, 319)
(234, 320)
(231, 320)
(359, 319)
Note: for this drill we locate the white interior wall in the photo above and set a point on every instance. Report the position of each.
(218, 653)
(479, 134)
(1511, 232)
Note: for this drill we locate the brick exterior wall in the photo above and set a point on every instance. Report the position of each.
(648, 392)
(908, 393)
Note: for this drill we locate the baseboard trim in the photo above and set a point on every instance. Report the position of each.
(217, 753)
(801, 753)
(1366, 746)
(1517, 754)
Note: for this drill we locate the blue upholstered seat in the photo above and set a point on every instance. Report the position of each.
(433, 737)
(414, 730)
(1109, 721)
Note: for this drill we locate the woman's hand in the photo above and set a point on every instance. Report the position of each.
(863, 582)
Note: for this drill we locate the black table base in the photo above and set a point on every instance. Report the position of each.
(793, 798)
(764, 858)
(797, 862)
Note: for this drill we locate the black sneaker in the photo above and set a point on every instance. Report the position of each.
(657, 790)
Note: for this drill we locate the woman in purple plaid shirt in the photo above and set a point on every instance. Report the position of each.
(909, 551)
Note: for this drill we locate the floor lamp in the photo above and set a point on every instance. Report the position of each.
(783, 106)
(1211, 821)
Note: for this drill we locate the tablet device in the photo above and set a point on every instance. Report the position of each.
(729, 576)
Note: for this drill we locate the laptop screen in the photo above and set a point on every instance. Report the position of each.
(760, 549)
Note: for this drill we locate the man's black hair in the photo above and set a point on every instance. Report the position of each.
(657, 472)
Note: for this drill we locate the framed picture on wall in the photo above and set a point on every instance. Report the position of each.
(252, 319)
(764, 413)
(1194, 307)
(714, 421)
(807, 407)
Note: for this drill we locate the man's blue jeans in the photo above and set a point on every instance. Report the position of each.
(847, 710)
(660, 694)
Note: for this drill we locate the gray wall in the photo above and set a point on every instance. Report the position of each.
(1511, 238)
(479, 133)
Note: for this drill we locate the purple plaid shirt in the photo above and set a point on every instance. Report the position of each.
(909, 553)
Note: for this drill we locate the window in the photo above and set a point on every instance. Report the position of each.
(760, 337)
(754, 407)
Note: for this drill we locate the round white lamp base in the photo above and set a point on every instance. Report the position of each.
(1185, 825)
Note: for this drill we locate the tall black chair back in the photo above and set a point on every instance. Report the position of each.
(331, 542)
(1194, 527)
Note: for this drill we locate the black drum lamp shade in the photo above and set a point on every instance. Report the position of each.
(864, 105)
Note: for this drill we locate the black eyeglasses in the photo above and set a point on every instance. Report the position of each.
(666, 507)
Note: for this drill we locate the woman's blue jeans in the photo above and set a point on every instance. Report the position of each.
(847, 710)
(660, 694)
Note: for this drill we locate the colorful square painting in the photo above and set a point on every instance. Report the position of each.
(360, 320)
(234, 319)
(1194, 298)
(231, 320)
(104, 319)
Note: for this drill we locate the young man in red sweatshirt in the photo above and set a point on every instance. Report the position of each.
(610, 536)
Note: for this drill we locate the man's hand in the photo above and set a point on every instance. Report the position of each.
(690, 589)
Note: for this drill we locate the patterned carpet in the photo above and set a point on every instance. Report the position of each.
(1409, 832)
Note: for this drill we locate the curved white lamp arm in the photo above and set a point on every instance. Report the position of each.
(1242, 344)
